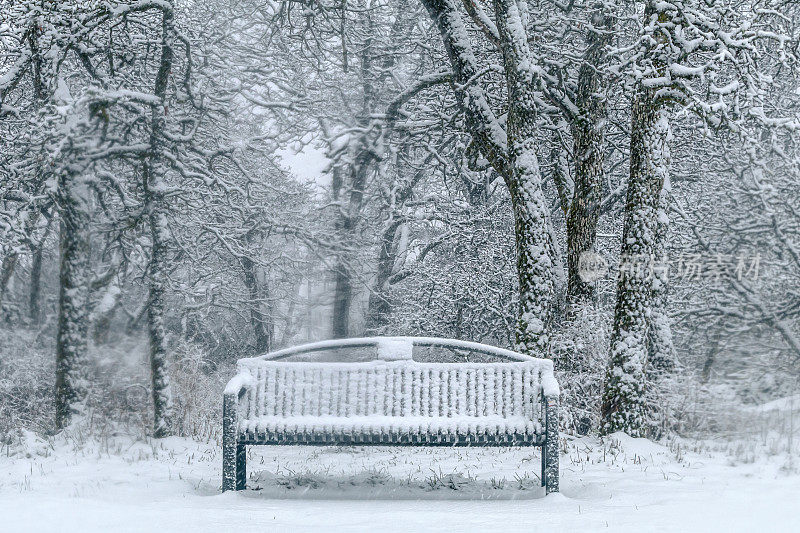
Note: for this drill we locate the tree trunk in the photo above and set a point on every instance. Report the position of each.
(512, 153)
(379, 306)
(158, 268)
(348, 220)
(6, 271)
(73, 320)
(36, 266)
(261, 322)
(624, 407)
(341, 287)
(342, 298)
(588, 131)
(34, 295)
(534, 264)
(660, 349)
(358, 169)
(11, 259)
(535, 252)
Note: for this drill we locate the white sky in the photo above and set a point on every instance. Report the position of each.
(307, 164)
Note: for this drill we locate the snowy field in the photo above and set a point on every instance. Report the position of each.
(620, 484)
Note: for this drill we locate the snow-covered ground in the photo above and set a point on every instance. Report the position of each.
(620, 484)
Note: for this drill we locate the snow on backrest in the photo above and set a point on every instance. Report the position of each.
(400, 388)
(395, 348)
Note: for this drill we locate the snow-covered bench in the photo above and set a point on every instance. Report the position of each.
(391, 401)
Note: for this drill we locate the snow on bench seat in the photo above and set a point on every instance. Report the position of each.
(463, 425)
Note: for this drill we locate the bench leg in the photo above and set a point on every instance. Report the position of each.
(544, 462)
(550, 449)
(241, 466)
(230, 445)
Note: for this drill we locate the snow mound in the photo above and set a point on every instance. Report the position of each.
(636, 445)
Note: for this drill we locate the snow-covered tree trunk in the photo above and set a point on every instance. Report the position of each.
(512, 153)
(347, 220)
(588, 132)
(660, 349)
(535, 253)
(342, 290)
(356, 171)
(158, 267)
(159, 369)
(73, 319)
(624, 406)
(534, 261)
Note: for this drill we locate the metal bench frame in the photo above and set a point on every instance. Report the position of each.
(234, 442)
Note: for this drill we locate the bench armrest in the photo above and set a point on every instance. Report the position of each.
(234, 391)
(549, 384)
(238, 385)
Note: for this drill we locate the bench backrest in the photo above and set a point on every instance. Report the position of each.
(397, 388)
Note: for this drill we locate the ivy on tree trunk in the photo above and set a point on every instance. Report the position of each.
(624, 406)
(155, 206)
(73, 320)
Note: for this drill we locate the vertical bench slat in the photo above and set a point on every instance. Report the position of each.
(388, 403)
(414, 390)
(361, 398)
(300, 399)
(369, 392)
(463, 392)
(427, 381)
(497, 391)
(268, 401)
(472, 399)
(397, 399)
(378, 375)
(279, 385)
(508, 387)
(480, 377)
(519, 379)
(288, 392)
(381, 392)
(350, 390)
(304, 405)
(441, 382)
(292, 387)
(449, 379)
(341, 394)
(528, 392)
(405, 379)
(312, 392)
